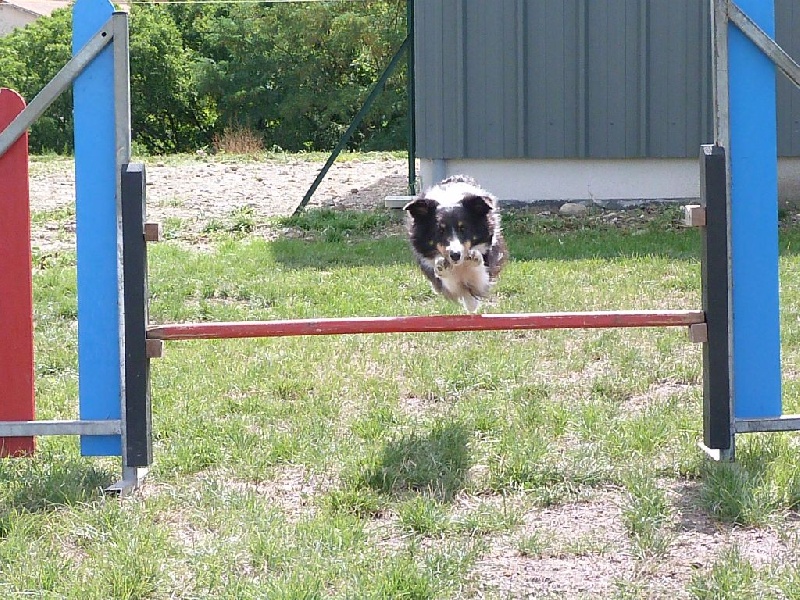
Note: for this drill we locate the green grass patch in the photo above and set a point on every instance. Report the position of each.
(399, 466)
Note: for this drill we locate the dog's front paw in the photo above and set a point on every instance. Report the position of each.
(475, 257)
(441, 265)
(470, 303)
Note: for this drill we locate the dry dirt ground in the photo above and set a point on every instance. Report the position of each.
(206, 188)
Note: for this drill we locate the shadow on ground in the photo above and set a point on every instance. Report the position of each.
(435, 462)
(46, 482)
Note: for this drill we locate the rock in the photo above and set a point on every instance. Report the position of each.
(572, 209)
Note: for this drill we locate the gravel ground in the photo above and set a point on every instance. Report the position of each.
(198, 191)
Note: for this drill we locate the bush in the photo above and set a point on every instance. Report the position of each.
(29, 58)
(291, 75)
(167, 114)
(237, 140)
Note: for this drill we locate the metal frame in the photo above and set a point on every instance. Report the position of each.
(133, 468)
(716, 406)
(56, 86)
(412, 102)
(766, 44)
(137, 446)
(73, 427)
(114, 31)
(11, 134)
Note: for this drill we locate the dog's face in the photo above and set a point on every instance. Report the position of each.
(451, 230)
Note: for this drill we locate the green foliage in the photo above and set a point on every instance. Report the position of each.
(299, 73)
(167, 113)
(31, 57)
(294, 74)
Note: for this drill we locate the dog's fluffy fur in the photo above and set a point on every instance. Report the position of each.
(454, 230)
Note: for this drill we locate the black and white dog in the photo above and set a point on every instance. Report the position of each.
(454, 229)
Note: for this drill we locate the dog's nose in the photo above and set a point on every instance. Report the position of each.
(455, 255)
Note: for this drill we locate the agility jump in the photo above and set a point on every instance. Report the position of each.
(738, 324)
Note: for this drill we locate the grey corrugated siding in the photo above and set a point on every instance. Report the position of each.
(787, 33)
(575, 78)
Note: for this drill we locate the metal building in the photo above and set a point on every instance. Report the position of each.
(577, 99)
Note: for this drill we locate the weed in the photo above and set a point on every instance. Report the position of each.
(238, 140)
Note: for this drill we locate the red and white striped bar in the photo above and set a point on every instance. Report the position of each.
(421, 324)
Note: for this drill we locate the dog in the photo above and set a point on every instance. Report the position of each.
(454, 231)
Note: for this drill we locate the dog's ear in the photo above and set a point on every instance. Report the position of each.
(479, 205)
(421, 208)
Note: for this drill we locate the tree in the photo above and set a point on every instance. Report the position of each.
(167, 113)
(298, 73)
(295, 74)
(29, 58)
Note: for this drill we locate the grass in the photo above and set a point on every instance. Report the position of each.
(645, 515)
(455, 465)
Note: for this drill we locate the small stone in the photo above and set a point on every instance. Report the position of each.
(572, 209)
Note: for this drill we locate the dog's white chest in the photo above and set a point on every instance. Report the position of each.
(466, 281)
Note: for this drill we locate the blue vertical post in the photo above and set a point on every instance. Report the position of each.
(99, 356)
(754, 220)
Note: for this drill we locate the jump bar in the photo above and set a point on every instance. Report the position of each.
(420, 324)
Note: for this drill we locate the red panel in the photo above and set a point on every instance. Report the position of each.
(16, 303)
(585, 320)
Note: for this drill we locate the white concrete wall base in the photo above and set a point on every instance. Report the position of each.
(602, 182)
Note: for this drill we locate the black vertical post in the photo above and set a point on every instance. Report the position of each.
(138, 451)
(717, 424)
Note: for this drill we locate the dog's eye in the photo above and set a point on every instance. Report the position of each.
(442, 227)
(460, 226)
